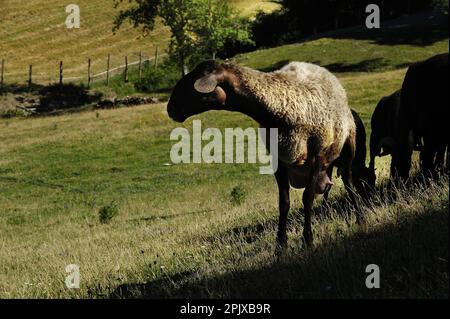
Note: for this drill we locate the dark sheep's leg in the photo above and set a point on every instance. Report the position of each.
(347, 155)
(427, 155)
(281, 175)
(308, 199)
(402, 162)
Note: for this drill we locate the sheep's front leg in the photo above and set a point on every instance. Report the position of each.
(281, 175)
(308, 199)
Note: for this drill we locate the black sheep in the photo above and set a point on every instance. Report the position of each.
(424, 113)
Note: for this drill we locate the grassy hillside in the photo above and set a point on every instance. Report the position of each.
(178, 233)
(34, 32)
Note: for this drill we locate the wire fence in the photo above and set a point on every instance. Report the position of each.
(142, 63)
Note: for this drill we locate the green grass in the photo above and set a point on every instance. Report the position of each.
(334, 54)
(177, 231)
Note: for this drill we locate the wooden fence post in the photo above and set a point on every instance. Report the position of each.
(30, 76)
(156, 56)
(60, 72)
(107, 69)
(140, 65)
(1, 74)
(126, 69)
(89, 73)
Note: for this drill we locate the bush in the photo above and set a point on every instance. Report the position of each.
(238, 195)
(107, 213)
(161, 79)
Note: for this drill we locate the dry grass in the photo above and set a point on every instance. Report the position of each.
(174, 234)
(177, 233)
(34, 32)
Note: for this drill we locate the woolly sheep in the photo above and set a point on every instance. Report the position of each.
(315, 124)
(362, 176)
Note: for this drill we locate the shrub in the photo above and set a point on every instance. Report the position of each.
(107, 213)
(156, 80)
(238, 195)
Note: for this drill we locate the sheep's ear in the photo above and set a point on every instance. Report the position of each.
(206, 84)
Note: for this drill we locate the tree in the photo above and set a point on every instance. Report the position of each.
(197, 26)
(219, 24)
(176, 14)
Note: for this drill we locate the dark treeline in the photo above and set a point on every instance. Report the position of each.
(298, 19)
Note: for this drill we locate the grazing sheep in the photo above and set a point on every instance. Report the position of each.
(424, 112)
(315, 124)
(385, 125)
(363, 178)
(384, 122)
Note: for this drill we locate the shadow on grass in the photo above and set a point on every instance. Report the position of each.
(39, 99)
(276, 66)
(421, 29)
(66, 96)
(369, 65)
(412, 256)
(412, 253)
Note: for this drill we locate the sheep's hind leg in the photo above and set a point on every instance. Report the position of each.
(327, 191)
(281, 175)
(308, 199)
(347, 155)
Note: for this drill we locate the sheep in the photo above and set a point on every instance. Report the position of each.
(424, 112)
(315, 124)
(385, 125)
(362, 176)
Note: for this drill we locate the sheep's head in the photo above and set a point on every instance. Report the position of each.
(201, 90)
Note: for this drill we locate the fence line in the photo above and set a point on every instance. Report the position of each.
(91, 78)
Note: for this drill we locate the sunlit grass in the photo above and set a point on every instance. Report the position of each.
(177, 230)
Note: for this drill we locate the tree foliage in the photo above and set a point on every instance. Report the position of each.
(297, 19)
(219, 24)
(198, 28)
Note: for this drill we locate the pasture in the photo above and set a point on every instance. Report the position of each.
(177, 230)
(34, 32)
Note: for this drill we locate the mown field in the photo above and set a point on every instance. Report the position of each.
(34, 32)
(178, 232)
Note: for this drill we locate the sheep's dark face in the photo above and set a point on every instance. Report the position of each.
(197, 92)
